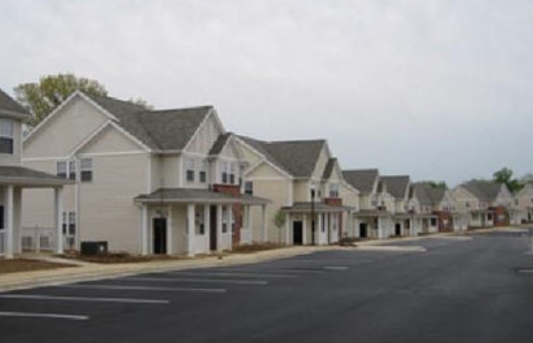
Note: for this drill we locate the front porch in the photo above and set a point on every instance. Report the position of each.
(481, 218)
(196, 221)
(13, 180)
(373, 224)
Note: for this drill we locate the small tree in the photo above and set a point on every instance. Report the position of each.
(505, 176)
(279, 220)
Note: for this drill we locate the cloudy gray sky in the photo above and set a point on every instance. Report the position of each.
(435, 89)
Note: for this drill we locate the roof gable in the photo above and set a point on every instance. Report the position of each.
(10, 108)
(397, 185)
(363, 180)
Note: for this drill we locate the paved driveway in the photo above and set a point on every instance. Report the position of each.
(457, 291)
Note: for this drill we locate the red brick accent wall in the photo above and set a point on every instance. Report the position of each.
(501, 216)
(444, 220)
(237, 209)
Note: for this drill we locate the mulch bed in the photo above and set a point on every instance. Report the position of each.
(25, 265)
(111, 258)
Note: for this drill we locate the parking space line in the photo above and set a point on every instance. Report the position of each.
(68, 298)
(240, 274)
(199, 280)
(146, 288)
(44, 315)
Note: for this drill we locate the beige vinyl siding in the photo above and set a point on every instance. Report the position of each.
(15, 158)
(111, 140)
(65, 130)
(106, 204)
(169, 171)
(156, 180)
(301, 191)
(348, 196)
(321, 163)
(205, 137)
(249, 155)
(462, 196)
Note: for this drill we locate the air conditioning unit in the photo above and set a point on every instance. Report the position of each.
(94, 248)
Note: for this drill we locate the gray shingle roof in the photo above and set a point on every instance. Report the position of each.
(191, 195)
(317, 206)
(219, 144)
(397, 185)
(8, 106)
(483, 190)
(362, 179)
(21, 175)
(329, 168)
(160, 130)
(297, 158)
(427, 195)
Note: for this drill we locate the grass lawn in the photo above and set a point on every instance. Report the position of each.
(25, 265)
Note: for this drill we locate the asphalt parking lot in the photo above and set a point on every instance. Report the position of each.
(459, 290)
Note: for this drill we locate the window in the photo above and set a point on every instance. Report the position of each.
(86, 170)
(1, 217)
(65, 223)
(202, 174)
(433, 221)
(323, 223)
(72, 170)
(249, 188)
(190, 169)
(72, 223)
(467, 204)
(199, 216)
(62, 169)
(334, 190)
(224, 176)
(7, 136)
(232, 167)
(224, 220)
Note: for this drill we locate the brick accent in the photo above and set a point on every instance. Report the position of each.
(501, 216)
(444, 221)
(333, 201)
(235, 191)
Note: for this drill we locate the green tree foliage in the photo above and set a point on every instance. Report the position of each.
(505, 176)
(436, 184)
(42, 97)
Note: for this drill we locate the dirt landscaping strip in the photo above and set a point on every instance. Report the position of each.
(19, 265)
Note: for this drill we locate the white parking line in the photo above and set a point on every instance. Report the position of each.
(145, 288)
(64, 298)
(241, 274)
(178, 279)
(44, 315)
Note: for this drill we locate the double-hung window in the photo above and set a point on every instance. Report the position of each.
(7, 136)
(232, 171)
(62, 168)
(86, 170)
(202, 173)
(72, 223)
(189, 167)
(224, 175)
(72, 170)
(334, 190)
(249, 188)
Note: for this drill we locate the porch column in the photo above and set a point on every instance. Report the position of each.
(249, 222)
(288, 229)
(327, 224)
(207, 225)
(219, 228)
(229, 213)
(304, 229)
(9, 201)
(318, 232)
(144, 229)
(58, 197)
(264, 223)
(170, 242)
(380, 234)
(190, 230)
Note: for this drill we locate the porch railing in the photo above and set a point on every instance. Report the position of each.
(38, 239)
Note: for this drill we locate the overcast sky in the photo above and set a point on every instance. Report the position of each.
(435, 89)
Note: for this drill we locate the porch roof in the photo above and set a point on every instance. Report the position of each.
(372, 213)
(299, 207)
(198, 196)
(20, 176)
(414, 215)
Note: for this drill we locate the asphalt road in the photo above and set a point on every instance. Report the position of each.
(457, 291)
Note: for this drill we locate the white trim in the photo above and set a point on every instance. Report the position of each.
(266, 178)
(149, 174)
(251, 169)
(44, 159)
(129, 135)
(88, 139)
(118, 153)
(265, 159)
(180, 171)
(196, 132)
(290, 193)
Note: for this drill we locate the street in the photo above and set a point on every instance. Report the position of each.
(459, 290)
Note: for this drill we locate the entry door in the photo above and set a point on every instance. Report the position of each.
(363, 230)
(398, 229)
(160, 235)
(213, 228)
(297, 233)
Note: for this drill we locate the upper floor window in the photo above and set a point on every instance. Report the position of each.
(190, 169)
(202, 173)
(232, 172)
(72, 170)
(249, 188)
(334, 190)
(62, 169)
(86, 170)
(7, 136)
(225, 172)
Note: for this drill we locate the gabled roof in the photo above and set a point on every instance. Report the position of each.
(397, 185)
(329, 168)
(362, 179)
(427, 195)
(297, 158)
(483, 190)
(159, 130)
(9, 107)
